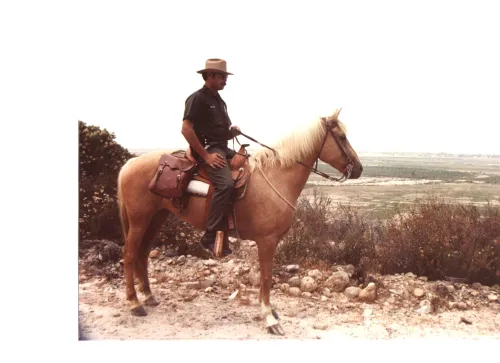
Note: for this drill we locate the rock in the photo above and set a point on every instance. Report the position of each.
(418, 292)
(423, 278)
(285, 288)
(369, 293)
(411, 275)
(450, 289)
(232, 239)
(214, 270)
(315, 274)
(153, 281)
(191, 285)
(452, 305)
(338, 281)
(476, 285)
(154, 254)
(492, 297)
(206, 272)
(462, 306)
(210, 263)
(252, 243)
(465, 320)
(352, 292)
(209, 289)
(324, 298)
(292, 268)
(320, 326)
(294, 281)
(327, 292)
(208, 282)
(308, 284)
(306, 294)
(348, 269)
(254, 277)
(170, 252)
(294, 291)
(474, 293)
(181, 259)
(425, 307)
(116, 315)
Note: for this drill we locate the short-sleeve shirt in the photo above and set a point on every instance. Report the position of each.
(208, 113)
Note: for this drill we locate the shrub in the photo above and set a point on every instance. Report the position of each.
(100, 160)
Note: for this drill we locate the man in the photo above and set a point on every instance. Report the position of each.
(207, 128)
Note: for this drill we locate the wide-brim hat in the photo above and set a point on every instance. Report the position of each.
(215, 65)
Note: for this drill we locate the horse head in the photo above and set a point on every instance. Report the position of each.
(336, 149)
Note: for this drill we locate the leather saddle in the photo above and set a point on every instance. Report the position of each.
(240, 171)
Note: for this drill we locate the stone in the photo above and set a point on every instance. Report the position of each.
(452, 305)
(327, 292)
(208, 282)
(306, 294)
(352, 292)
(285, 288)
(254, 277)
(320, 326)
(425, 307)
(294, 291)
(292, 268)
(308, 284)
(423, 278)
(181, 259)
(450, 288)
(252, 243)
(153, 281)
(154, 254)
(324, 298)
(294, 281)
(418, 292)
(492, 297)
(315, 274)
(210, 263)
(214, 270)
(411, 275)
(462, 306)
(338, 281)
(191, 285)
(476, 285)
(206, 272)
(369, 293)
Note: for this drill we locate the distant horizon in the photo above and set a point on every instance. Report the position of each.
(135, 149)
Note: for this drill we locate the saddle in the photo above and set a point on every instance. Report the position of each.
(180, 176)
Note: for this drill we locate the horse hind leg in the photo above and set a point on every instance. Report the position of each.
(141, 264)
(130, 256)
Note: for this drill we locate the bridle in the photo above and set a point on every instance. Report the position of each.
(329, 125)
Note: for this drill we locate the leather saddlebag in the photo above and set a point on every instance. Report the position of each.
(172, 177)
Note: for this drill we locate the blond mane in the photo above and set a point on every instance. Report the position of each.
(297, 145)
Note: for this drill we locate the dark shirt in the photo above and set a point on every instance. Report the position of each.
(208, 113)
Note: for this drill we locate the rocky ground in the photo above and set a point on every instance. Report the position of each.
(218, 299)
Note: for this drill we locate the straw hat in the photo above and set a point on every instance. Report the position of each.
(215, 64)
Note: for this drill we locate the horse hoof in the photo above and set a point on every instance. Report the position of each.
(138, 311)
(275, 330)
(151, 301)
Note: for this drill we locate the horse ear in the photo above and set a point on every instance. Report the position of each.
(335, 115)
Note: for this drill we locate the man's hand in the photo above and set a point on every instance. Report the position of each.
(235, 131)
(215, 160)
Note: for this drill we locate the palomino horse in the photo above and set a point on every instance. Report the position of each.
(263, 215)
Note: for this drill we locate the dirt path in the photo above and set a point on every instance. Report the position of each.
(186, 313)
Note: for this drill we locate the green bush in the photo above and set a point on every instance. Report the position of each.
(430, 238)
(100, 160)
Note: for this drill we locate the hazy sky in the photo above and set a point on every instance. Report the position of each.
(409, 75)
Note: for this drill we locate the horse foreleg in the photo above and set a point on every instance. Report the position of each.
(130, 257)
(267, 249)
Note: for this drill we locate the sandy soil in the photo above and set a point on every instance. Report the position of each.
(186, 313)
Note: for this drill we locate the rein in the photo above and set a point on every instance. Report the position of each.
(348, 170)
(346, 174)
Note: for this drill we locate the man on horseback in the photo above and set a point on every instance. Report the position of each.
(207, 128)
